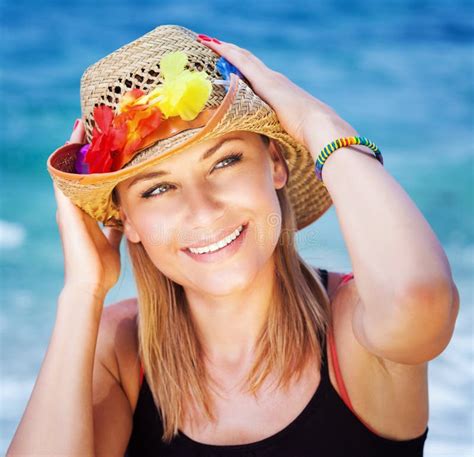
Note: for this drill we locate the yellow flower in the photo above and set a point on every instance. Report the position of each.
(183, 93)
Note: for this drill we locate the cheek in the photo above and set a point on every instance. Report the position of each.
(252, 187)
(160, 241)
(258, 194)
(157, 233)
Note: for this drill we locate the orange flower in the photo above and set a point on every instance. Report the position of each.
(139, 126)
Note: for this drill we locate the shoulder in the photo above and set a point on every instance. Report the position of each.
(118, 342)
(374, 384)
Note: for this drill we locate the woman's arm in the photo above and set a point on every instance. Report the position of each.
(58, 418)
(408, 300)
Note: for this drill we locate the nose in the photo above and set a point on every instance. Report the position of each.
(203, 207)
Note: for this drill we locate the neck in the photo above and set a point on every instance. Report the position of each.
(229, 326)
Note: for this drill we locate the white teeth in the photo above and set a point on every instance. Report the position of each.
(220, 244)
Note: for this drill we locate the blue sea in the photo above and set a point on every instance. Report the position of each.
(401, 72)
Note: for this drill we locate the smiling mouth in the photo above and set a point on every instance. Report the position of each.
(214, 247)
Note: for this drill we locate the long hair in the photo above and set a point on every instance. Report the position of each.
(172, 356)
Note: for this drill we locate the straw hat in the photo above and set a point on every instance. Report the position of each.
(137, 65)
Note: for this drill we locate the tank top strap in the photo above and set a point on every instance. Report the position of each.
(324, 277)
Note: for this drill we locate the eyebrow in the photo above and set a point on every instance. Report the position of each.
(206, 155)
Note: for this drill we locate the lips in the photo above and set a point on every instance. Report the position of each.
(221, 254)
(215, 239)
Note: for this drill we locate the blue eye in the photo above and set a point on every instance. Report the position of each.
(150, 193)
(230, 160)
(227, 161)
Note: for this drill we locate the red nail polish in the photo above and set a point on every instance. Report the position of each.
(216, 41)
(204, 37)
(75, 124)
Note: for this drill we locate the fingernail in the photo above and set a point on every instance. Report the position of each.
(75, 124)
(67, 142)
(204, 37)
(216, 41)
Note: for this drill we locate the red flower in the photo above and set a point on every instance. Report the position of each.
(115, 139)
(106, 141)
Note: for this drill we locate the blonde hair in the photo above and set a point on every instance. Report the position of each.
(171, 353)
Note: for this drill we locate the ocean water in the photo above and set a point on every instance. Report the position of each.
(401, 72)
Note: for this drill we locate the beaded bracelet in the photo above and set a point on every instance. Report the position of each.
(339, 143)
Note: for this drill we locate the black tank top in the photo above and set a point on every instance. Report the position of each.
(326, 427)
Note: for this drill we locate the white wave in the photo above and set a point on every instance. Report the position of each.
(444, 448)
(12, 235)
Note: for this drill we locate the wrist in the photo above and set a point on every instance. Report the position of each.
(78, 313)
(322, 129)
(83, 292)
(343, 158)
(343, 166)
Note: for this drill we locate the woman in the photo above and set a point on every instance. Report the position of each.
(232, 334)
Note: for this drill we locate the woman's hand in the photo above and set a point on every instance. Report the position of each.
(91, 256)
(307, 119)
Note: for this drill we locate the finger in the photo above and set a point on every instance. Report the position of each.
(68, 215)
(248, 63)
(77, 135)
(63, 202)
(68, 209)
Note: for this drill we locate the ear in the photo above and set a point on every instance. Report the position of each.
(128, 228)
(279, 166)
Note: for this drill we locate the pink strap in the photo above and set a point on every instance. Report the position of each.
(337, 371)
(346, 278)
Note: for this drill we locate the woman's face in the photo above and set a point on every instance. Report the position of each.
(200, 197)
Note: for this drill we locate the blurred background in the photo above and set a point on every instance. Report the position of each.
(401, 72)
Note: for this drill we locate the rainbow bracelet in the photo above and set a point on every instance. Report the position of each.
(339, 143)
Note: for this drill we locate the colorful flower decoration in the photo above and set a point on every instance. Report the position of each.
(117, 136)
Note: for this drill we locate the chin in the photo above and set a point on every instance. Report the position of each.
(224, 282)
